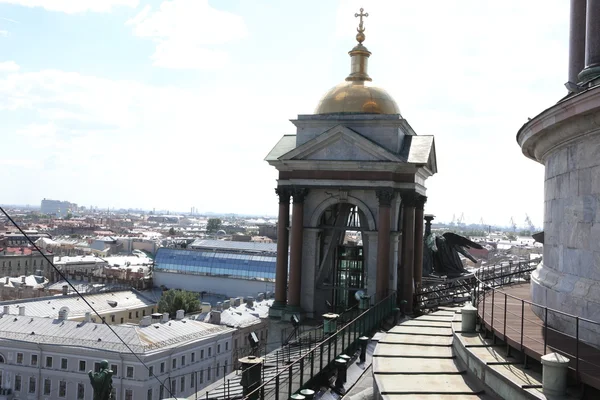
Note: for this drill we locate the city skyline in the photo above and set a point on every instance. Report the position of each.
(174, 104)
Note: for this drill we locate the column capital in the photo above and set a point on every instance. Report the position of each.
(299, 194)
(385, 196)
(284, 194)
(420, 202)
(410, 198)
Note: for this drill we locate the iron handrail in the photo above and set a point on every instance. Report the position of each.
(481, 293)
(326, 342)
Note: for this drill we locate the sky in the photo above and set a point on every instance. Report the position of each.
(173, 104)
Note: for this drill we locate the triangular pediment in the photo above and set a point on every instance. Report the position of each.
(340, 144)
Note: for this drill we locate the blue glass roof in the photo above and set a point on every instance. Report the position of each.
(233, 265)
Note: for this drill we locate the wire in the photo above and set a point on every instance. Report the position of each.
(86, 302)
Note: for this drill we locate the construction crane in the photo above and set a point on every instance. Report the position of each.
(528, 224)
(461, 220)
(453, 222)
(512, 224)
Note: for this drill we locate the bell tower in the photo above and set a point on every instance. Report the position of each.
(355, 172)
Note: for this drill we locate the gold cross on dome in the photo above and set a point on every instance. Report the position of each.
(361, 15)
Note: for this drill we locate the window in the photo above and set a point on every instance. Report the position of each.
(17, 383)
(161, 392)
(173, 387)
(201, 376)
(162, 367)
(218, 349)
(226, 346)
(150, 370)
(129, 314)
(47, 386)
(34, 262)
(62, 389)
(201, 354)
(81, 366)
(96, 367)
(149, 397)
(114, 369)
(208, 374)
(34, 359)
(128, 394)
(182, 361)
(143, 313)
(48, 362)
(19, 358)
(112, 318)
(32, 383)
(209, 351)
(129, 371)
(192, 380)
(121, 319)
(64, 363)
(193, 356)
(174, 363)
(182, 384)
(137, 314)
(218, 369)
(80, 391)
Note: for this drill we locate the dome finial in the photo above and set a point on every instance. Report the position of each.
(360, 36)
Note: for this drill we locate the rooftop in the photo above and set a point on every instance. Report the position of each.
(47, 307)
(237, 246)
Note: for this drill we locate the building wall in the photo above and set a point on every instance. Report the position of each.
(229, 287)
(140, 382)
(18, 265)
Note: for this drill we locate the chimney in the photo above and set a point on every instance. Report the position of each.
(65, 290)
(260, 297)
(249, 301)
(206, 307)
(219, 306)
(23, 279)
(236, 302)
(215, 317)
(7, 280)
(268, 295)
(146, 321)
(226, 304)
(179, 314)
(22, 310)
(6, 310)
(165, 317)
(63, 313)
(88, 316)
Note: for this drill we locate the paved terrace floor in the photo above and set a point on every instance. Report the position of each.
(529, 335)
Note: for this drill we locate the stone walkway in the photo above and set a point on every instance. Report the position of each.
(414, 360)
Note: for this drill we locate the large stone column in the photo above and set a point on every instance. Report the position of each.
(592, 41)
(577, 39)
(418, 269)
(408, 249)
(296, 249)
(385, 197)
(281, 271)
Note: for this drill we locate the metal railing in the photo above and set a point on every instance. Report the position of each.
(530, 329)
(296, 375)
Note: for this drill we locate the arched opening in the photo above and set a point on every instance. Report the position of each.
(341, 270)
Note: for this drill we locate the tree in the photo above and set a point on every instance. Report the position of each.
(173, 300)
(213, 225)
(172, 232)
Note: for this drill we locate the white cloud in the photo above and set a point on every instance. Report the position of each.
(3, 33)
(8, 66)
(188, 32)
(75, 6)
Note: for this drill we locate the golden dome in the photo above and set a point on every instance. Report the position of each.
(356, 95)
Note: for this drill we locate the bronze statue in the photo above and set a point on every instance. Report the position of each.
(441, 254)
(102, 382)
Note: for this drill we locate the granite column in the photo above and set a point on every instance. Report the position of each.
(281, 271)
(299, 194)
(577, 39)
(419, 210)
(592, 41)
(408, 248)
(385, 197)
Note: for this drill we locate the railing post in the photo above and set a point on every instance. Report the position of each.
(301, 372)
(522, 321)
(545, 329)
(505, 304)
(290, 382)
(277, 387)
(492, 322)
(483, 311)
(577, 349)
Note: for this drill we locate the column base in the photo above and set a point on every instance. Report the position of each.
(277, 309)
(290, 311)
(589, 74)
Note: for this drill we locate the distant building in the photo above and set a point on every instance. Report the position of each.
(23, 261)
(49, 358)
(225, 267)
(57, 208)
